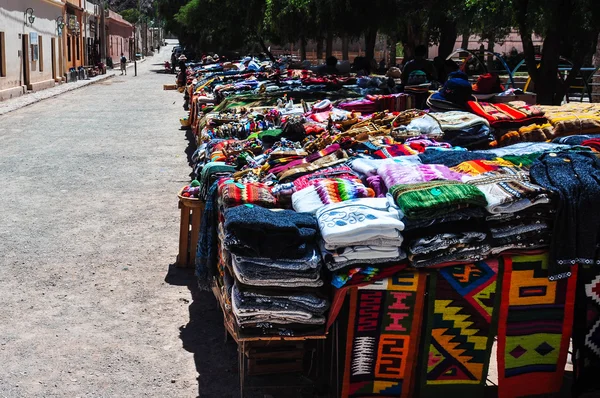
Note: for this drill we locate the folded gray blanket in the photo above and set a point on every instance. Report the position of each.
(444, 241)
(280, 273)
(463, 253)
(253, 307)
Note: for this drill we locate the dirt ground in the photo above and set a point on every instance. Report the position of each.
(90, 303)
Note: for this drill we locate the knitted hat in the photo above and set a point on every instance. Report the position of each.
(488, 83)
(457, 89)
(394, 72)
(416, 77)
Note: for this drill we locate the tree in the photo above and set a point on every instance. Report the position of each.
(492, 20)
(131, 15)
(286, 21)
(570, 28)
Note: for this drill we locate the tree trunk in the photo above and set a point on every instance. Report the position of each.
(370, 41)
(409, 43)
(345, 47)
(302, 48)
(490, 57)
(320, 48)
(265, 49)
(393, 53)
(448, 35)
(329, 44)
(525, 32)
(465, 39)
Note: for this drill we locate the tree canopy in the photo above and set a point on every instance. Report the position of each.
(570, 28)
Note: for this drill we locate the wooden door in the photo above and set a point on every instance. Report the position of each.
(53, 54)
(25, 60)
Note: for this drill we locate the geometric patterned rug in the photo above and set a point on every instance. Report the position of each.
(462, 319)
(534, 327)
(586, 333)
(383, 334)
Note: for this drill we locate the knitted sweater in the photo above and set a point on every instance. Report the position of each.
(434, 199)
(256, 231)
(327, 191)
(394, 174)
(357, 221)
(574, 177)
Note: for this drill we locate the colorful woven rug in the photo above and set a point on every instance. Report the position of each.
(462, 318)
(586, 333)
(383, 336)
(534, 328)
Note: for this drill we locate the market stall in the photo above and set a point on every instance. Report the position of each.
(420, 237)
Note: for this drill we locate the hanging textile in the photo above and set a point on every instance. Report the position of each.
(459, 335)
(534, 328)
(383, 336)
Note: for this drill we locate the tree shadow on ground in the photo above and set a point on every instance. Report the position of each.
(216, 358)
(204, 336)
(190, 149)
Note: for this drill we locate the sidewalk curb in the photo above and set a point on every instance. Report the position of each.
(70, 87)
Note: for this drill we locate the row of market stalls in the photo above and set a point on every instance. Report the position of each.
(391, 249)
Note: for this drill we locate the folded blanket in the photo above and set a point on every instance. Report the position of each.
(421, 143)
(443, 241)
(342, 171)
(395, 150)
(279, 273)
(514, 113)
(357, 221)
(525, 148)
(377, 185)
(462, 253)
(456, 120)
(477, 167)
(508, 190)
(476, 137)
(575, 139)
(452, 158)
(258, 232)
(470, 214)
(354, 255)
(593, 143)
(571, 123)
(251, 307)
(434, 199)
(234, 194)
(369, 167)
(395, 174)
(327, 191)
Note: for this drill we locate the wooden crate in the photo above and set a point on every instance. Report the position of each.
(189, 230)
(170, 87)
(274, 357)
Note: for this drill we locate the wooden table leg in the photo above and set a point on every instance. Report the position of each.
(196, 220)
(184, 233)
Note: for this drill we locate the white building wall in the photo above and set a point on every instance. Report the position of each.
(12, 23)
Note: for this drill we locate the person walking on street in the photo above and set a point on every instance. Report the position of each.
(123, 64)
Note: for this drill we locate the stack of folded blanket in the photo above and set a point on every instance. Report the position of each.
(443, 220)
(465, 129)
(273, 312)
(277, 267)
(519, 209)
(360, 231)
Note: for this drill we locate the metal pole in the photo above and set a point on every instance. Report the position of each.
(135, 41)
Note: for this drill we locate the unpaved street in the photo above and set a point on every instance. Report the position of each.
(88, 229)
